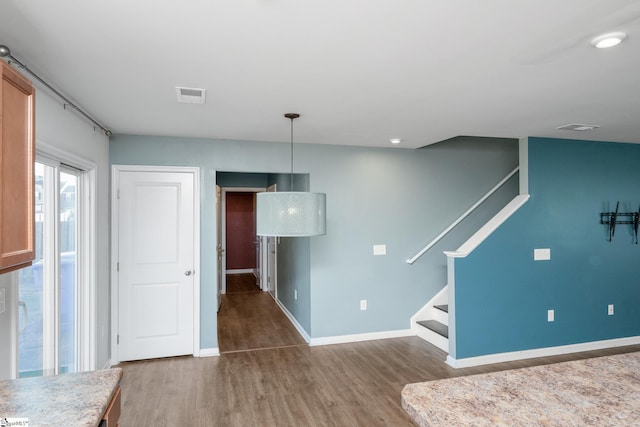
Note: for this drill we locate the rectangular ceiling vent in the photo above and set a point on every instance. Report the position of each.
(190, 95)
(578, 127)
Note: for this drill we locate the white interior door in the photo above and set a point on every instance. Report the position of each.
(156, 264)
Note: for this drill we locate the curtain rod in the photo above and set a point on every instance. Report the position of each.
(6, 52)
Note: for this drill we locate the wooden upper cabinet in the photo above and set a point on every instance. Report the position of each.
(17, 149)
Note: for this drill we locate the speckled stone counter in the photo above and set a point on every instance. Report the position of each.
(603, 391)
(67, 400)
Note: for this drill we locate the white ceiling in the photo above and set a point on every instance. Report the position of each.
(358, 71)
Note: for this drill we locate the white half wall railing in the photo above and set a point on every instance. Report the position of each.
(463, 216)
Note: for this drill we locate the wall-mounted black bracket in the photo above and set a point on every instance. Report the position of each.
(613, 218)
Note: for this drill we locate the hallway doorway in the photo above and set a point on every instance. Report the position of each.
(240, 249)
(250, 319)
(249, 311)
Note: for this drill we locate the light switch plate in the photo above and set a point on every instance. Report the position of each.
(379, 249)
(542, 254)
(550, 316)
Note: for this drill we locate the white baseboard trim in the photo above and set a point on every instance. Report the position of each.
(540, 352)
(293, 320)
(209, 352)
(241, 271)
(342, 339)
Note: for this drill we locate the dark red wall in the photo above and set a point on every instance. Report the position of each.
(241, 230)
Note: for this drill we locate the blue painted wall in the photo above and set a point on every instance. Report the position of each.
(401, 198)
(502, 294)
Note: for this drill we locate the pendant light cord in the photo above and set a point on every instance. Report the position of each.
(291, 154)
(292, 117)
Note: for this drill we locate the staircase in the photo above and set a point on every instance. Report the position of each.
(431, 323)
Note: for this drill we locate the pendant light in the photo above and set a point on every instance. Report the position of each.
(291, 213)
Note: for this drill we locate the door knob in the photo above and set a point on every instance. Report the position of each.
(187, 273)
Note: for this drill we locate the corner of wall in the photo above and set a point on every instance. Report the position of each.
(523, 155)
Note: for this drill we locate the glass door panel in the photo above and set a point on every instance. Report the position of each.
(67, 328)
(31, 293)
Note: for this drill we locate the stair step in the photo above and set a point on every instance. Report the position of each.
(435, 326)
(444, 307)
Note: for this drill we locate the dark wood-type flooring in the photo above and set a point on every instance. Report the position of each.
(356, 384)
(242, 283)
(249, 318)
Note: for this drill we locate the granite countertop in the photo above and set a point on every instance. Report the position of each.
(78, 399)
(603, 391)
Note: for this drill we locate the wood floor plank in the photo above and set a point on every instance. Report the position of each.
(268, 376)
(250, 320)
(245, 282)
(356, 384)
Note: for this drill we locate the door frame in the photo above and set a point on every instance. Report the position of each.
(223, 228)
(115, 184)
(219, 250)
(271, 259)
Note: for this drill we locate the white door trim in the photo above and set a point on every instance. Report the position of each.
(115, 175)
(219, 249)
(223, 225)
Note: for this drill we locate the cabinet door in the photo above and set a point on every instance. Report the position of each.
(16, 158)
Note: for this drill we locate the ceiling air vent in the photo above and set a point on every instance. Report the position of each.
(578, 127)
(190, 95)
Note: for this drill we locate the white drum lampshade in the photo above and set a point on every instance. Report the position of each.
(291, 214)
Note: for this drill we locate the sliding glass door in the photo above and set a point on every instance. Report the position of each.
(48, 339)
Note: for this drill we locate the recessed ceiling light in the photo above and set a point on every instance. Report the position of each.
(608, 40)
(395, 140)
